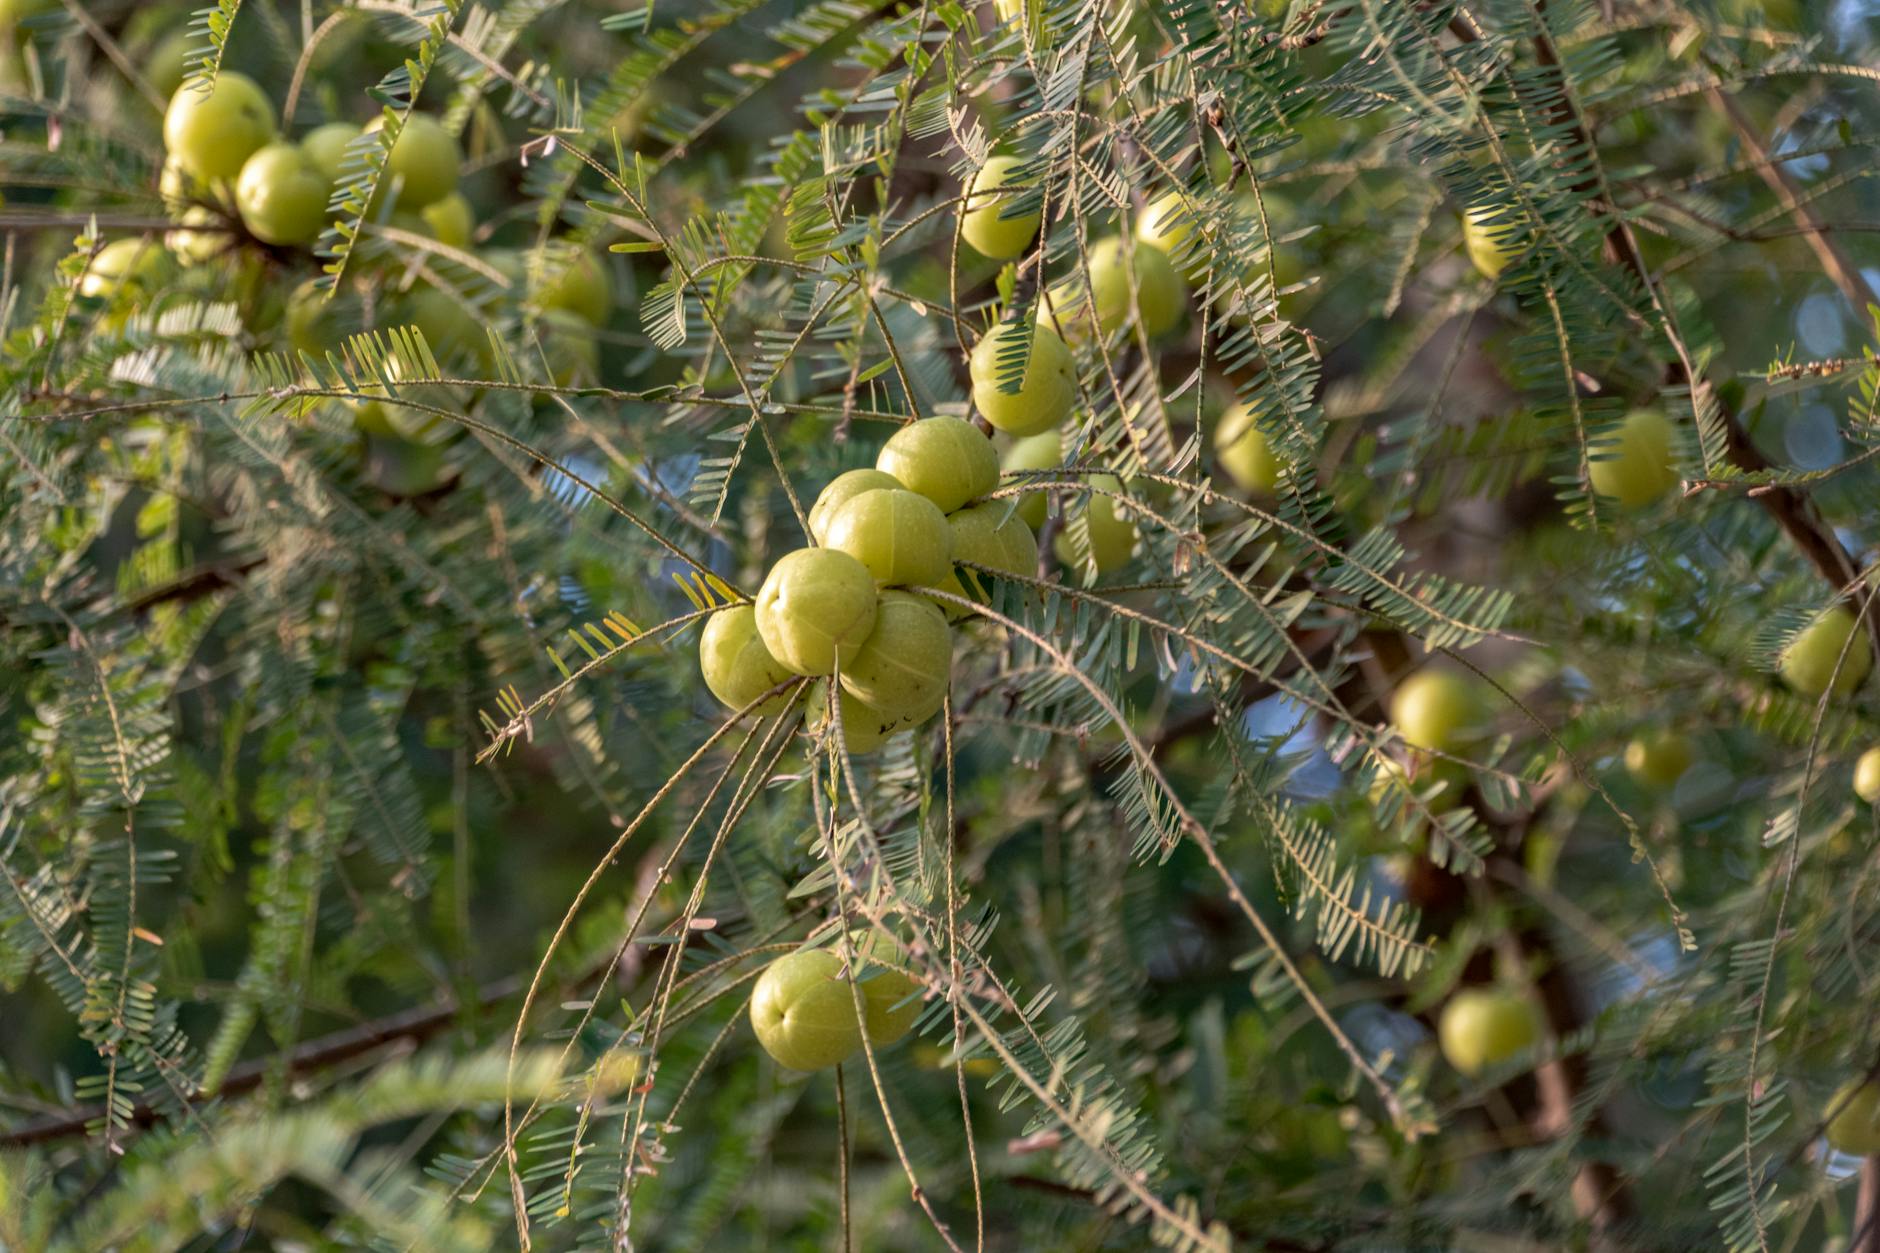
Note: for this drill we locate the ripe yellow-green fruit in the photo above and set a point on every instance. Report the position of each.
(945, 459)
(903, 667)
(213, 133)
(202, 236)
(326, 146)
(167, 63)
(1488, 237)
(983, 227)
(890, 1000)
(1159, 289)
(1112, 533)
(452, 331)
(1809, 661)
(1166, 223)
(839, 491)
(991, 535)
(817, 606)
(1634, 465)
(1244, 453)
(582, 287)
(1867, 776)
(804, 1012)
(1854, 1126)
(450, 220)
(424, 160)
(282, 195)
(864, 728)
(1658, 759)
(1436, 710)
(737, 667)
(180, 189)
(1013, 12)
(1483, 1026)
(901, 536)
(1427, 773)
(1048, 387)
(121, 263)
(1044, 451)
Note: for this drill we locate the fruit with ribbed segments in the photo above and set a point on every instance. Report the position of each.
(1112, 534)
(1488, 238)
(582, 286)
(425, 160)
(326, 146)
(903, 667)
(282, 195)
(121, 262)
(803, 1011)
(1048, 386)
(816, 607)
(901, 536)
(886, 1019)
(992, 235)
(1159, 289)
(1243, 451)
(451, 221)
(1854, 1125)
(1867, 776)
(839, 491)
(864, 728)
(1044, 451)
(737, 667)
(1809, 662)
(992, 535)
(946, 460)
(1634, 462)
(1658, 759)
(1437, 710)
(1481, 1027)
(213, 133)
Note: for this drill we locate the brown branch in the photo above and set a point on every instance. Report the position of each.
(1866, 1237)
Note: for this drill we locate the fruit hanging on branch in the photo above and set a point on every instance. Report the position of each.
(945, 459)
(1826, 653)
(213, 133)
(737, 667)
(1483, 1027)
(816, 607)
(901, 536)
(990, 223)
(803, 1011)
(1633, 464)
(1047, 378)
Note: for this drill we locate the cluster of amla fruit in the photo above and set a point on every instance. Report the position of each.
(850, 606)
(803, 1006)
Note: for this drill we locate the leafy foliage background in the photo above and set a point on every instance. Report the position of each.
(374, 869)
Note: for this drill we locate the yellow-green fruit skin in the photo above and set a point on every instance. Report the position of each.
(993, 236)
(309, 320)
(450, 220)
(945, 459)
(903, 667)
(816, 607)
(451, 330)
(1486, 237)
(1481, 1027)
(1046, 391)
(120, 262)
(1808, 664)
(803, 1011)
(282, 195)
(213, 133)
(582, 287)
(991, 535)
(1044, 451)
(864, 728)
(1855, 1127)
(737, 667)
(890, 1000)
(201, 237)
(1436, 710)
(326, 146)
(1165, 224)
(839, 491)
(1014, 12)
(1112, 536)
(1159, 289)
(425, 160)
(1658, 760)
(168, 63)
(1867, 776)
(901, 536)
(1243, 451)
(1635, 463)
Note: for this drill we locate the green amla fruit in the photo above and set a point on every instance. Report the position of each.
(1160, 292)
(1633, 464)
(1481, 1027)
(1043, 451)
(1867, 776)
(1808, 663)
(890, 1000)
(803, 1011)
(326, 147)
(1438, 711)
(992, 190)
(737, 667)
(582, 286)
(1659, 759)
(945, 459)
(816, 607)
(839, 491)
(864, 728)
(451, 220)
(424, 160)
(213, 133)
(1243, 451)
(121, 264)
(901, 536)
(1112, 534)
(903, 667)
(1047, 388)
(990, 534)
(282, 195)
(1855, 1125)
(1166, 223)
